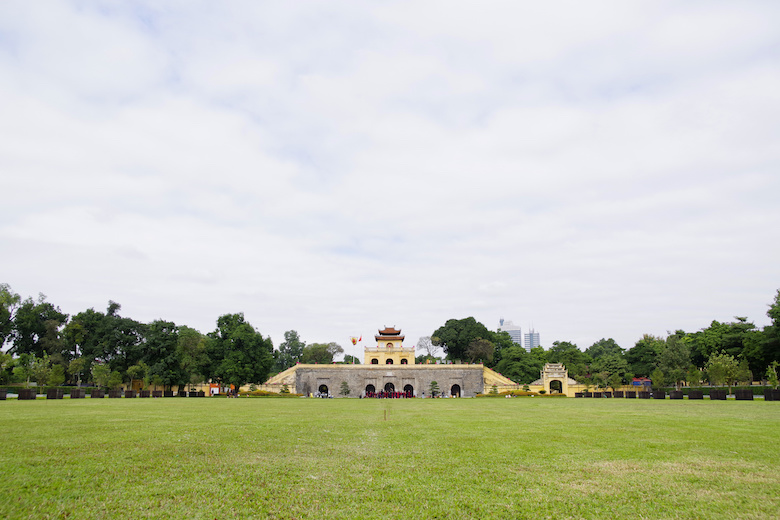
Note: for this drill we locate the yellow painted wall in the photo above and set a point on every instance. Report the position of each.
(389, 349)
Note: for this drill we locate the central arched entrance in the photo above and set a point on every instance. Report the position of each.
(409, 390)
(389, 387)
(556, 387)
(389, 362)
(370, 389)
(323, 389)
(455, 391)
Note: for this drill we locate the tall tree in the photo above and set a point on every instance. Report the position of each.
(722, 368)
(575, 360)
(101, 373)
(36, 327)
(160, 353)
(771, 333)
(321, 353)
(604, 347)
(289, 351)
(643, 357)
(609, 369)
(520, 366)
(192, 355)
(426, 346)
(9, 301)
(237, 353)
(674, 359)
(456, 335)
(41, 370)
(480, 350)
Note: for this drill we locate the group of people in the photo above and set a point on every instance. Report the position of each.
(388, 395)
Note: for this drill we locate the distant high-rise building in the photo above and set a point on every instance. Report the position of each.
(513, 330)
(531, 340)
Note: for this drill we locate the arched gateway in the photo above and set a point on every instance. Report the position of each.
(554, 379)
(389, 366)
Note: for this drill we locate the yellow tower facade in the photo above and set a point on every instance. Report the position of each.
(389, 349)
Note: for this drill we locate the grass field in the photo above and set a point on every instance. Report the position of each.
(349, 458)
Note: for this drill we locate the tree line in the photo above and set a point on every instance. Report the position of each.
(723, 353)
(110, 350)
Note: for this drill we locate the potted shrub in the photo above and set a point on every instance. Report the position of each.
(26, 394)
(54, 393)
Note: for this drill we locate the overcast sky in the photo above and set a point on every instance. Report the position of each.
(589, 169)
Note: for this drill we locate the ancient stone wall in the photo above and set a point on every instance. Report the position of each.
(469, 378)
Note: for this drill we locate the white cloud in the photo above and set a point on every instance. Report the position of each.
(600, 169)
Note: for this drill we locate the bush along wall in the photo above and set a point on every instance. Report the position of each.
(705, 390)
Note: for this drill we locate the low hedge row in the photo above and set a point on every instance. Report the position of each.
(705, 390)
(264, 393)
(43, 390)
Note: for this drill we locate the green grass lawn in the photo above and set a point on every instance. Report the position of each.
(400, 459)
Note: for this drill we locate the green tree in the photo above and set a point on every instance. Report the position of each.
(456, 335)
(101, 373)
(237, 353)
(608, 368)
(36, 328)
(575, 360)
(501, 341)
(289, 351)
(351, 360)
(615, 381)
(722, 368)
(658, 378)
(433, 389)
(744, 374)
(770, 335)
(23, 368)
(115, 379)
(57, 375)
(604, 347)
(643, 357)
(674, 359)
(192, 356)
(160, 352)
(9, 301)
(694, 375)
(771, 375)
(321, 353)
(6, 362)
(138, 371)
(740, 339)
(521, 366)
(41, 370)
(344, 388)
(480, 350)
(75, 369)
